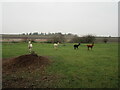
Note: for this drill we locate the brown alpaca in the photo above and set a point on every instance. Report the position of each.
(90, 46)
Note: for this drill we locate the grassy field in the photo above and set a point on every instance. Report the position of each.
(97, 68)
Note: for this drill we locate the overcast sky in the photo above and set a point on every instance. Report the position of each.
(97, 18)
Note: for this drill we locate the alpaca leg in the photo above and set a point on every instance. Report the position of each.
(74, 48)
(55, 48)
(30, 50)
(88, 48)
(91, 48)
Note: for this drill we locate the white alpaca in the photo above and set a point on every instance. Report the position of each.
(56, 45)
(29, 42)
(30, 46)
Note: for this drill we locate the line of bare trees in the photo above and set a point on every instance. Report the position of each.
(62, 38)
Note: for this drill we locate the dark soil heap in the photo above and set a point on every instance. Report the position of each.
(25, 71)
(29, 61)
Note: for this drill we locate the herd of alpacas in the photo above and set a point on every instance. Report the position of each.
(57, 44)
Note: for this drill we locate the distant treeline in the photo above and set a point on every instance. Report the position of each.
(37, 35)
(58, 37)
(45, 34)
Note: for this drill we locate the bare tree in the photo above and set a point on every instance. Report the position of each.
(57, 38)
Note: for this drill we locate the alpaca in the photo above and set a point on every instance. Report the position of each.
(56, 45)
(30, 46)
(29, 42)
(90, 46)
(76, 46)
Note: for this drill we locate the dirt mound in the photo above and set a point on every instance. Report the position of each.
(29, 61)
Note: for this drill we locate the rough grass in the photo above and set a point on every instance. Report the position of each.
(97, 68)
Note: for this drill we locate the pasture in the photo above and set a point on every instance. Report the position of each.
(69, 68)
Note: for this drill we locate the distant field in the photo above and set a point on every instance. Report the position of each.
(97, 68)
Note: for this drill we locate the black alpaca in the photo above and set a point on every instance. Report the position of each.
(76, 46)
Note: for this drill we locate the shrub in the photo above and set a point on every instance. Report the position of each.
(57, 38)
(105, 40)
(75, 39)
(84, 39)
(87, 39)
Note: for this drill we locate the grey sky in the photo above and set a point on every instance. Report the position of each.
(97, 18)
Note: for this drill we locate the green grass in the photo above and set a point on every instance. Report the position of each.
(97, 68)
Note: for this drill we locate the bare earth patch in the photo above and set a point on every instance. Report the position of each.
(26, 71)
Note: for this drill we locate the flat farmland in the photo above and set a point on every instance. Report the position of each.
(68, 68)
